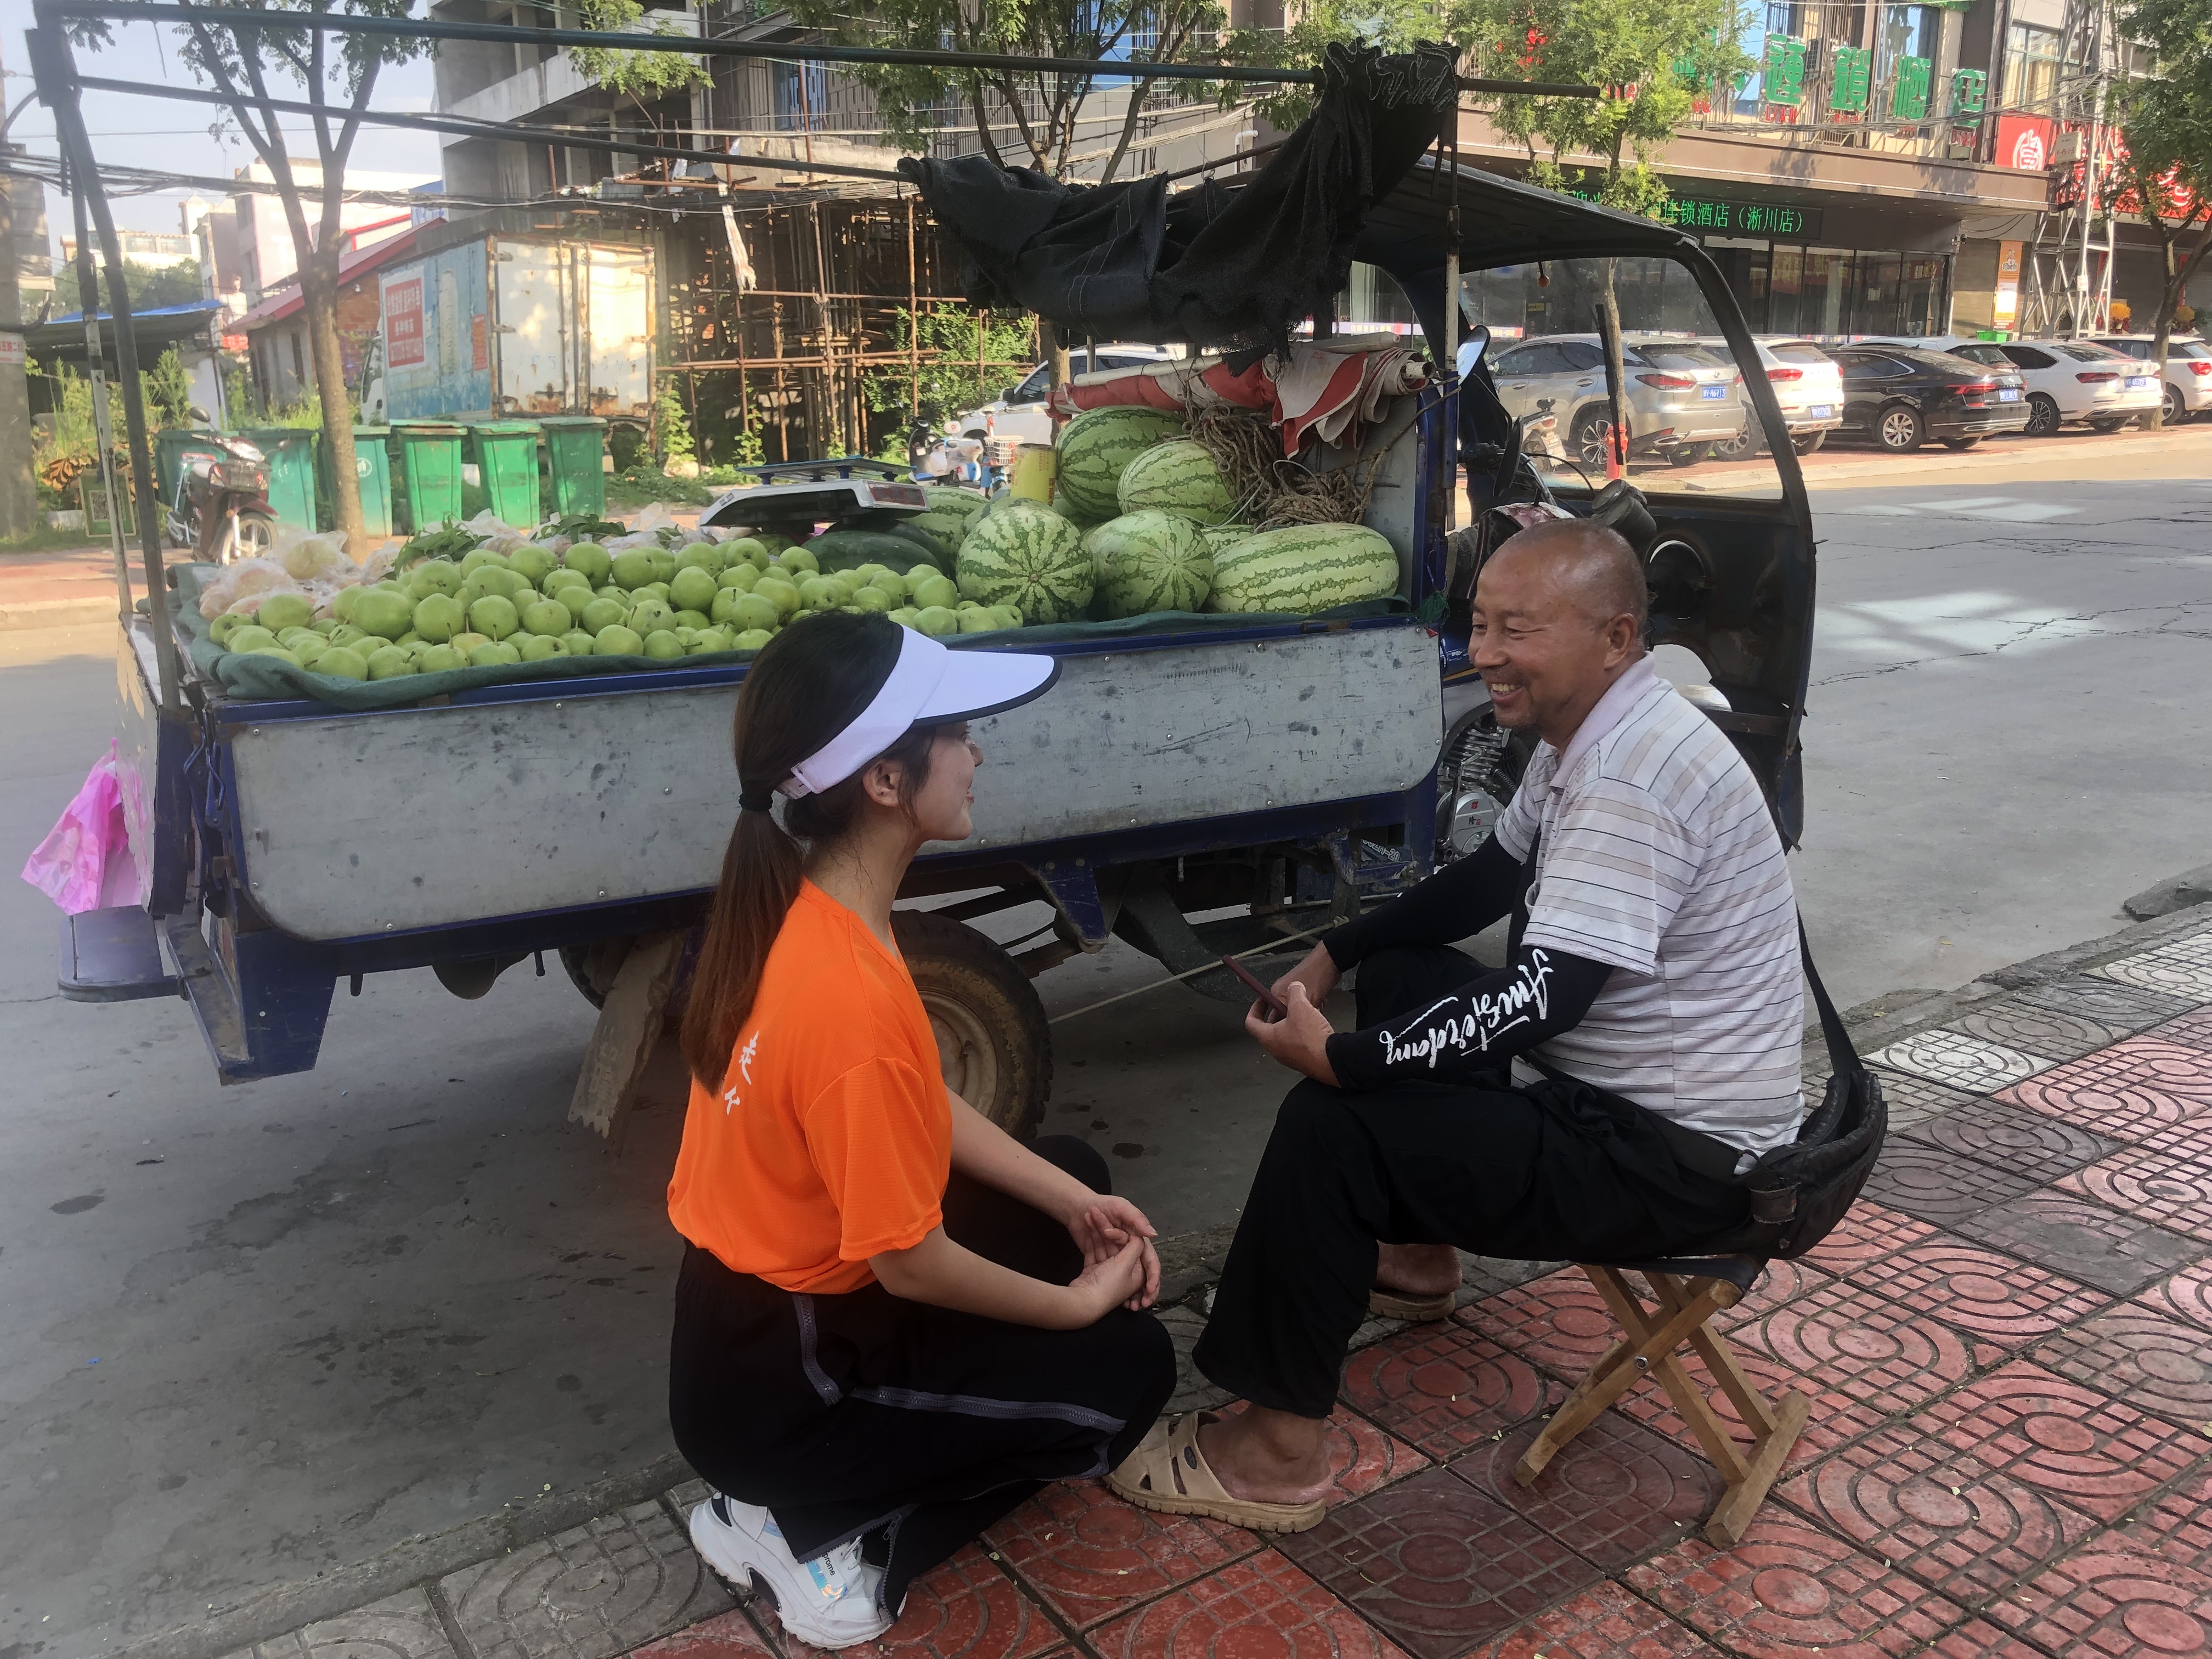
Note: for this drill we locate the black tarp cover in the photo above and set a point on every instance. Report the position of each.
(1232, 268)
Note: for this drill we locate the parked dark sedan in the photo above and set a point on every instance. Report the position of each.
(1899, 397)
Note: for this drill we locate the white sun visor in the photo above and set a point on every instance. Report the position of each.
(928, 685)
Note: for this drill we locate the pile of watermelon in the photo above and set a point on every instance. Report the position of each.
(1143, 521)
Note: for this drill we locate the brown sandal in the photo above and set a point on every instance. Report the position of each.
(1167, 1471)
(1421, 1310)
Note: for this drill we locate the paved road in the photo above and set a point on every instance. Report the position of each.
(263, 1333)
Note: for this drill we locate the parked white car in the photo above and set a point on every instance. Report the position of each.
(2188, 370)
(1020, 415)
(1806, 384)
(2066, 381)
(1680, 397)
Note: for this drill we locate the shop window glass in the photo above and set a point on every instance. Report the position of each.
(2031, 72)
(1908, 32)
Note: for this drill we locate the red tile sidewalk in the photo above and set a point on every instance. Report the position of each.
(61, 590)
(2010, 1451)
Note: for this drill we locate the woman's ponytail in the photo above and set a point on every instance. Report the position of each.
(809, 684)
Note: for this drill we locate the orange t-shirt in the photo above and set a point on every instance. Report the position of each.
(831, 1137)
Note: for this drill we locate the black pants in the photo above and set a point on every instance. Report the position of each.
(1549, 1171)
(910, 1427)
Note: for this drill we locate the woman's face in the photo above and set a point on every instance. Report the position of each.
(940, 807)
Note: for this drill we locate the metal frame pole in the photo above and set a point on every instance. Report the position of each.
(54, 73)
(95, 363)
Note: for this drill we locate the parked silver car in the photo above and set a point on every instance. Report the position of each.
(1679, 397)
(2188, 370)
(1021, 413)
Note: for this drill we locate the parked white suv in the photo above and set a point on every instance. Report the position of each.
(1021, 413)
(2066, 381)
(1806, 384)
(1681, 396)
(2188, 370)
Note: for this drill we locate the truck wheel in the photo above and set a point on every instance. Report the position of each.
(592, 970)
(993, 1043)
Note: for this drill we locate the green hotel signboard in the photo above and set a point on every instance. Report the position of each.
(1730, 217)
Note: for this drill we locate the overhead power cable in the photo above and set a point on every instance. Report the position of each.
(434, 28)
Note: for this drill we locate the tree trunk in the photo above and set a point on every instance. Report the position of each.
(319, 298)
(1056, 352)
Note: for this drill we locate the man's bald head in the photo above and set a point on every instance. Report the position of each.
(1592, 568)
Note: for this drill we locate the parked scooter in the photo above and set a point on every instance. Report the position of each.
(221, 509)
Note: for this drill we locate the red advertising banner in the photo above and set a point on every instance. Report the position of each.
(2024, 141)
(403, 324)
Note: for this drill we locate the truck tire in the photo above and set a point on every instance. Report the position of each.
(993, 1043)
(592, 970)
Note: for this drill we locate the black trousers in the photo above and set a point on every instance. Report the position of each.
(1552, 1170)
(910, 1427)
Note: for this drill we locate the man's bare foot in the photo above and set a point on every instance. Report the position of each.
(1267, 1457)
(1417, 1269)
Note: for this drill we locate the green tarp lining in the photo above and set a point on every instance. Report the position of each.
(270, 678)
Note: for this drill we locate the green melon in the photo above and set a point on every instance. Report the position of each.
(1028, 557)
(1150, 561)
(1220, 537)
(1304, 570)
(1177, 478)
(1096, 448)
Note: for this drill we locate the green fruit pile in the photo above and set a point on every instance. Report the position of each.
(488, 609)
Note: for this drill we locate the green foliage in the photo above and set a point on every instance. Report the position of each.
(642, 75)
(150, 287)
(917, 101)
(1655, 58)
(166, 393)
(1393, 25)
(2164, 170)
(671, 428)
(948, 338)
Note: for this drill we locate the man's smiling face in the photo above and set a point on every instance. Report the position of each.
(1541, 641)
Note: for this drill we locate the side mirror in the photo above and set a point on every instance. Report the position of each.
(1478, 337)
(197, 413)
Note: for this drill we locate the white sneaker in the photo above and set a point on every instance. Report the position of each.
(831, 1600)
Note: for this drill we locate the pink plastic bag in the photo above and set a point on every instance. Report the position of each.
(85, 862)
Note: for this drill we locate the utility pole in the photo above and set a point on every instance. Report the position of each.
(22, 238)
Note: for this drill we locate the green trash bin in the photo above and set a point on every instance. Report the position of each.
(429, 473)
(507, 467)
(575, 448)
(290, 454)
(372, 469)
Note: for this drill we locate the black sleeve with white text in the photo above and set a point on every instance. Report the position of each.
(1477, 1029)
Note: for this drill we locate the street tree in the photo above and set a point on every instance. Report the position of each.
(2162, 169)
(1306, 34)
(1655, 58)
(642, 75)
(241, 61)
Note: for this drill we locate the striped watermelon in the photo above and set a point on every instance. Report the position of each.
(1304, 570)
(1220, 537)
(1026, 556)
(1097, 445)
(1150, 561)
(1178, 477)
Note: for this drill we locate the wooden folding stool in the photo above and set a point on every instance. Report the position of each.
(1689, 1292)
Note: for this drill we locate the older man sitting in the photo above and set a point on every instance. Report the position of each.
(1593, 1099)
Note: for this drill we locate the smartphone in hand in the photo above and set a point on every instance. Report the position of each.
(1276, 1007)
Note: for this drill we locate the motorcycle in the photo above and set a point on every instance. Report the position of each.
(221, 507)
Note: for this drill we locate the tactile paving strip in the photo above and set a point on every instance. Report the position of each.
(1938, 1185)
(1604, 1622)
(2127, 1091)
(1262, 1607)
(1613, 1493)
(1973, 1064)
(2035, 1030)
(1436, 1565)
(2175, 1192)
(2123, 1007)
(1909, 1100)
(1847, 1340)
(2112, 1602)
(2182, 967)
(1984, 1294)
(964, 1609)
(2013, 1139)
(1443, 1388)
(1937, 1513)
(1790, 1589)
(1089, 1556)
(2153, 1363)
(591, 1592)
(2093, 1454)
(2083, 1241)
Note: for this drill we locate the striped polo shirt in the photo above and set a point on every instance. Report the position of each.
(1659, 856)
